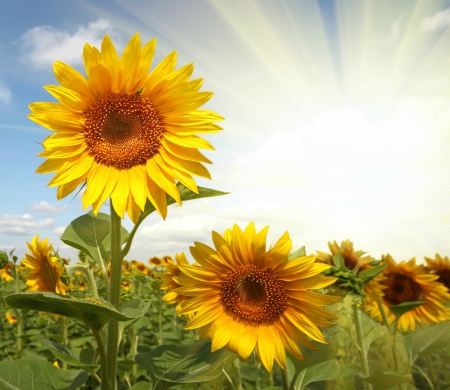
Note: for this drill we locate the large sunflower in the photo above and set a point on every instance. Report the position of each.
(126, 133)
(408, 282)
(249, 298)
(440, 266)
(45, 269)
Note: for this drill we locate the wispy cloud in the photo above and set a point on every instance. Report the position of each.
(22, 224)
(395, 31)
(45, 207)
(42, 45)
(5, 94)
(438, 21)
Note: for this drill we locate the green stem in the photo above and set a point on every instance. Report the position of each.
(285, 379)
(89, 275)
(133, 351)
(114, 294)
(431, 371)
(65, 342)
(237, 373)
(384, 316)
(18, 314)
(105, 383)
(361, 347)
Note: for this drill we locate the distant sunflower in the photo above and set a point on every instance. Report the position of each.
(10, 318)
(248, 298)
(408, 282)
(6, 272)
(155, 261)
(169, 281)
(166, 259)
(126, 133)
(45, 269)
(126, 285)
(440, 266)
(352, 259)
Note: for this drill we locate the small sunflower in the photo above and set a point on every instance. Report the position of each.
(171, 272)
(352, 259)
(248, 298)
(440, 266)
(155, 261)
(166, 259)
(126, 285)
(45, 269)
(126, 133)
(141, 267)
(10, 318)
(408, 282)
(6, 272)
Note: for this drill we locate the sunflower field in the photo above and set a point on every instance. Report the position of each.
(240, 315)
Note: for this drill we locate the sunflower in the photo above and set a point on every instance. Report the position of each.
(10, 318)
(126, 285)
(440, 266)
(169, 280)
(6, 272)
(124, 132)
(352, 259)
(155, 261)
(141, 268)
(45, 269)
(408, 282)
(248, 298)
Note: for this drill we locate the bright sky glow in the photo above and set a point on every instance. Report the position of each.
(337, 118)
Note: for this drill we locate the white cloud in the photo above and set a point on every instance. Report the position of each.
(59, 230)
(22, 225)
(5, 94)
(439, 20)
(43, 206)
(43, 45)
(395, 31)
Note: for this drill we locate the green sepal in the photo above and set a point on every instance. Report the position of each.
(298, 253)
(184, 364)
(94, 312)
(404, 307)
(91, 234)
(367, 275)
(26, 374)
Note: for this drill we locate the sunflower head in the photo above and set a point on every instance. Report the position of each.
(155, 261)
(409, 282)
(10, 318)
(45, 269)
(7, 272)
(124, 132)
(246, 297)
(440, 266)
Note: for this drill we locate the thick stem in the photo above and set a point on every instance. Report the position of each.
(105, 383)
(361, 347)
(285, 379)
(114, 294)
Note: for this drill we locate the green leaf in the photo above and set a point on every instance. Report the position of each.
(323, 371)
(64, 354)
(404, 307)
(298, 253)
(312, 357)
(95, 313)
(184, 364)
(92, 235)
(186, 194)
(434, 338)
(338, 260)
(386, 380)
(26, 374)
(368, 274)
(142, 386)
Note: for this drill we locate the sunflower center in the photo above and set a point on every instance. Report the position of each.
(48, 275)
(123, 130)
(401, 288)
(444, 277)
(253, 295)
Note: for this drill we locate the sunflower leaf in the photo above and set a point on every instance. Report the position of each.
(95, 313)
(186, 194)
(404, 307)
(66, 355)
(323, 371)
(184, 364)
(91, 234)
(25, 374)
(386, 380)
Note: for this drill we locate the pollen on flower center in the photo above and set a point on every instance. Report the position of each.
(123, 130)
(401, 288)
(253, 295)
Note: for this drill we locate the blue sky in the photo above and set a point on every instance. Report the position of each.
(337, 116)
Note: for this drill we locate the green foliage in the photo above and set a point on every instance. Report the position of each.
(3, 259)
(92, 235)
(386, 380)
(184, 364)
(95, 313)
(404, 307)
(65, 355)
(26, 374)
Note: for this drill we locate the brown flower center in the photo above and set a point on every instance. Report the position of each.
(401, 288)
(444, 277)
(123, 130)
(48, 275)
(253, 295)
